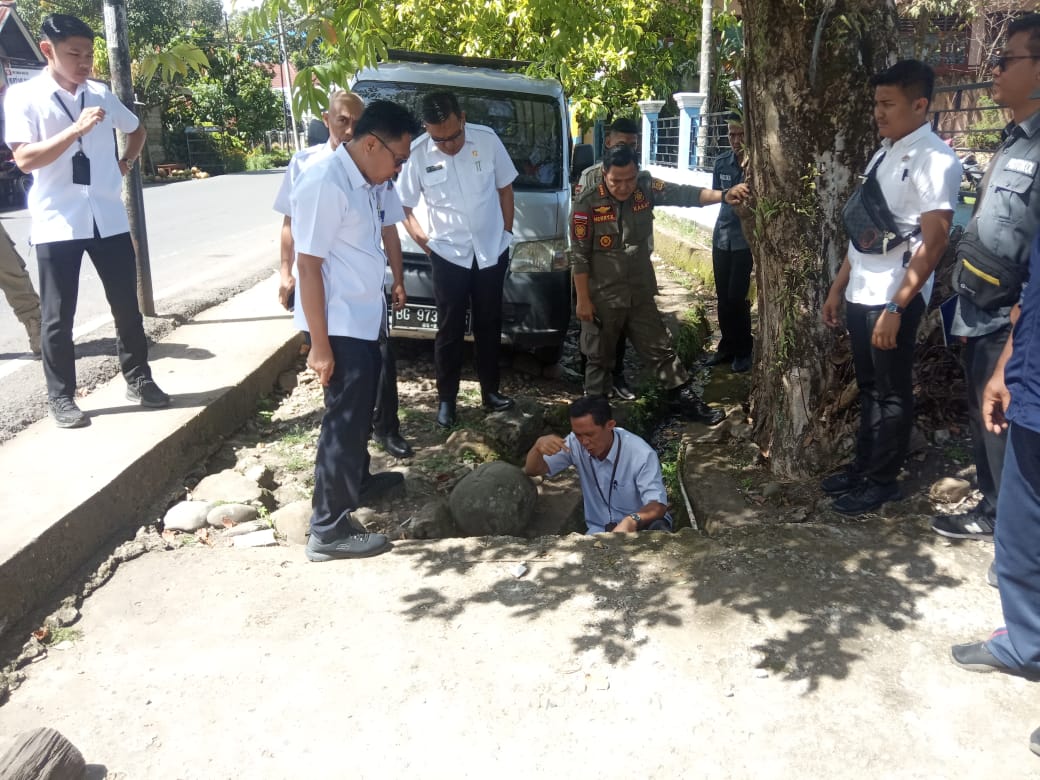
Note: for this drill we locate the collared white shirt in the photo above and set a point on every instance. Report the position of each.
(609, 493)
(464, 214)
(920, 173)
(298, 163)
(61, 210)
(339, 217)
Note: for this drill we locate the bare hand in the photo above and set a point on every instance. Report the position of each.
(832, 310)
(737, 194)
(885, 331)
(995, 401)
(89, 118)
(585, 310)
(626, 526)
(398, 296)
(321, 362)
(285, 286)
(550, 445)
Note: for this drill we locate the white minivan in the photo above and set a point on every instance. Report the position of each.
(530, 116)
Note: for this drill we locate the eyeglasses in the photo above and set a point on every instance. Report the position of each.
(450, 138)
(1001, 60)
(398, 161)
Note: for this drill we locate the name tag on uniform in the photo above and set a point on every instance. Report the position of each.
(434, 168)
(1018, 165)
(603, 214)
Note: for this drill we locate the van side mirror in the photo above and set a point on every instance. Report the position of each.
(582, 158)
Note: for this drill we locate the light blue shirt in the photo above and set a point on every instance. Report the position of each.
(612, 493)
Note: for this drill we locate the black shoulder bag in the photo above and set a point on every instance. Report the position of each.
(870, 223)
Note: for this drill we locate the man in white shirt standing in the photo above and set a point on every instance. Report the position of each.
(887, 282)
(465, 176)
(60, 127)
(339, 209)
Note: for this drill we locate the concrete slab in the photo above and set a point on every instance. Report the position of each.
(65, 492)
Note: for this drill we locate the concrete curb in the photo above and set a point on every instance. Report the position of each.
(65, 493)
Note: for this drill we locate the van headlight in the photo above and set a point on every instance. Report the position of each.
(532, 257)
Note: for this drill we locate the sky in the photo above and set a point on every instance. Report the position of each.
(240, 4)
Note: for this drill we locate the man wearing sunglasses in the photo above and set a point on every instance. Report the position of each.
(1007, 216)
(464, 174)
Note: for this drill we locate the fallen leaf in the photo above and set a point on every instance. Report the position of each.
(228, 522)
(169, 535)
(203, 536)
(42, 635)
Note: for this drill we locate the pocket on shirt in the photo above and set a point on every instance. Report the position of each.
(1009, 190)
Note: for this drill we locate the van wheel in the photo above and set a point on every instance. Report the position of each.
(549, 355)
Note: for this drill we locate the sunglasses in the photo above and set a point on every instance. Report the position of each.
(398, 161)
(450, 138)
(1001, 60)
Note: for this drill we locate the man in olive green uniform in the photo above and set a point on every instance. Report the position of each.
(611, 228)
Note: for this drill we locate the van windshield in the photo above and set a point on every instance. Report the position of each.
(529, 125)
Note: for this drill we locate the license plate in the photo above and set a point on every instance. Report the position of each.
(416, 316)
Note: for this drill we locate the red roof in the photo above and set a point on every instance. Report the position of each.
(278, 74)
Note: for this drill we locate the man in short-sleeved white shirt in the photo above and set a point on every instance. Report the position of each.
(60, 127)
(621, 482)
(340, 209)
(886, 294)
(465, 176)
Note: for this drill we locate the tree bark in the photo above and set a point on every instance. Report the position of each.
(809, 117)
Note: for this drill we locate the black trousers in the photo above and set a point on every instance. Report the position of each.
(886, 390)
(480, 290)
(342, 459)
(979, 359)
(59, 263)
(732, 270)
(384, 417)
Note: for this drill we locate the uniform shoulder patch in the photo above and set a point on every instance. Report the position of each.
(580, 225)
(602, 190)
(658, 185)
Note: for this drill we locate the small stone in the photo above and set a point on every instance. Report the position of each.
(293, 521)
(434, 521)
(941, 436)
(741, 432)
(761, 674)
(246, 528)
(187, 516)
(227, 485)
(918, 441)
(225, 515)
(256, 539)
(287, 381)
(949, 490)
(42, 753)
(771, 489)
(65, 616)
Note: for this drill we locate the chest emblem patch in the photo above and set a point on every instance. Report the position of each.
(607, 241)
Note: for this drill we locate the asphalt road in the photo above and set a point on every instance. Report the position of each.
(207, 239)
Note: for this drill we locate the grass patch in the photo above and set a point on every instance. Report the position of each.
(694, 332)
(266, 406)
(298, 435)
(684, 227)
(298, 462)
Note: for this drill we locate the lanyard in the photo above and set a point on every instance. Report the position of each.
(82, 105)
(607, 499)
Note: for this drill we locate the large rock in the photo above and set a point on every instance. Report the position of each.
(950, 490)
(293, 521)
(516, 429)
(228, 486)
(226, 515)
(476, 444)
(42, 754)
(496, 499)
(187, 516)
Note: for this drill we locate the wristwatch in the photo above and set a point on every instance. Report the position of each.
(635, 516)
(893, 308)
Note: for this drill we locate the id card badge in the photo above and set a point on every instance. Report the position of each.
(80, 168)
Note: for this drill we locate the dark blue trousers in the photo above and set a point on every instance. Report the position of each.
(342, 461)
(979, 359)
(886, 390)
(1017, 541)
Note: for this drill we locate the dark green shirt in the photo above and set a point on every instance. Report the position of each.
(611, 240)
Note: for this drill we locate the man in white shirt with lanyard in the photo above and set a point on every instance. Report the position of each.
(620, 474)
(886, 291)
(465, 176)
(339, 208)
(60, 127)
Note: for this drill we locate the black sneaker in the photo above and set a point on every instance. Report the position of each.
(841, 483)
(147, 393)
(66, 414)
(349, 546)
(741, 365)
(718, 359)
(622, 390)
(867, 497)
(976, 657)
(970, 525)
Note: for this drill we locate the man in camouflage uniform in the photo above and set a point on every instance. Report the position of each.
(611, 227)
(622, 131)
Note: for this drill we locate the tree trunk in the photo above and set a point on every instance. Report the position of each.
(809, 120)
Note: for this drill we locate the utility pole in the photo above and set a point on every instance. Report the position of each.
(707, 42)
(286, 81)
(133, 192)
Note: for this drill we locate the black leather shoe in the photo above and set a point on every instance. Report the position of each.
(695, 410)
(867, 497)
(622, 390)
(446, 414)
(841, 483)
(394, 443)
(496, 402)
(718, 359)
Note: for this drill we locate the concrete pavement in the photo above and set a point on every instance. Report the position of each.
(66, 492)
